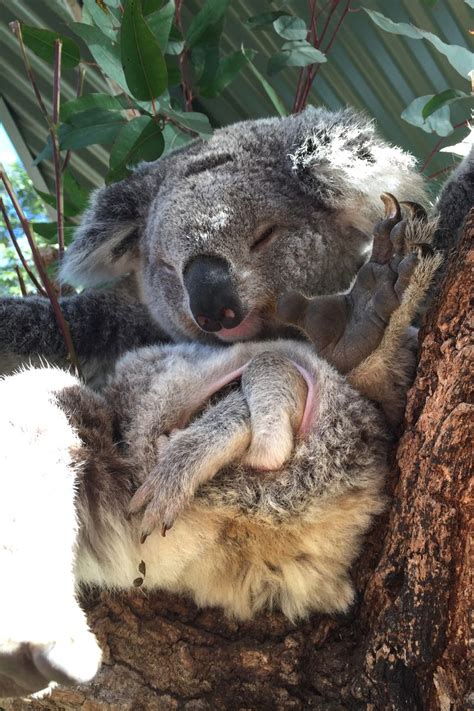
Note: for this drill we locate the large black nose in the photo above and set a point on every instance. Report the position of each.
(212, 298)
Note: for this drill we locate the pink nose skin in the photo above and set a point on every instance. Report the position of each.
(228, 313)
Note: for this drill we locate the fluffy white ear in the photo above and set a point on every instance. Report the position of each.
(106, 244)
(342, 160)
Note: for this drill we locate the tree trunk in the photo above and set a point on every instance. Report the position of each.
(405, 643)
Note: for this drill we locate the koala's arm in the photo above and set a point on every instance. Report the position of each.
(104, 322)
(366, 333)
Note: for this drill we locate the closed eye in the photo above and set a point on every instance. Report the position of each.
(264, 238)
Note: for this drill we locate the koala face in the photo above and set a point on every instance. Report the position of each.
(218, 230)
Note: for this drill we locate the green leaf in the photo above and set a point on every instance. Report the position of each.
(258, 22)
(295, 54)
(91, 101)
(174, 73)
(470, 3)
(291, 27)
(430, 3)
(174, 138)
(142, 59)
(206, 27)
(269, 90)
(197, 122)
(160, 23)
(49, 232)
(74, 193)
(149, 6)
(105, 52)
(459, 57)
(122, 146)
(439, 122)
(147, 144)
(69, 209)
(95, 13)
(227, 71)
(90, 127)
(41, 42)
(443, 99)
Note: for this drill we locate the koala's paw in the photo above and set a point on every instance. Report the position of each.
(69, 658)
(160, 502)
(346, 328)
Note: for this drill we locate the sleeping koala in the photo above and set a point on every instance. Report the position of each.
(214, 232)
(267, 484)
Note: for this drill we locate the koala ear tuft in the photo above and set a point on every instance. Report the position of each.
(341, 160)
(107, 243)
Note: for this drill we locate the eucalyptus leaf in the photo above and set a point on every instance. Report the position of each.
(470, 3)
(291, 27)
(197, 122)
(160, 23)
(265, 19)
(227, 70)
(174, 138)
(295, 54)
(105, 52)
(90, 101)
(143, 141)
(49, 232)
(142, 59)
(443, 99)
(439, 122)
(98, 14)
(269, 90)
(69, 208)
(42, 43)
(460, 58)
(206, 27)
(90, 127)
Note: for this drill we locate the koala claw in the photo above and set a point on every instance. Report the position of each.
(161, 507)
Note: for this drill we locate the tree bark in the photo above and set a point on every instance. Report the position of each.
(405, 643)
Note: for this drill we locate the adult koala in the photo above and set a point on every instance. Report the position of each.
(214, 232)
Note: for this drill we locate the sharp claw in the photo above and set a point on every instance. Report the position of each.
(392, 207)
(415, 209)
(166, 527)
(144, 536)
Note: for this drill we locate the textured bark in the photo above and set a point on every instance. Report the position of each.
(403, 646)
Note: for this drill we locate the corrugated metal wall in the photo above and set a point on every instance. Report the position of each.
(367, 68)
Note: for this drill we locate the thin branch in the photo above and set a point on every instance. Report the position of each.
(438, 145)
(60, 320)
(21, 281)
(79, 90)
(16, 29)
(448, 169)
(18, 249)
(183, 64)
(58, 173)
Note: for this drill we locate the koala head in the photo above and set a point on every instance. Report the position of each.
(217, 230)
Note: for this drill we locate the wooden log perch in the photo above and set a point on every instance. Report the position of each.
(405, 643)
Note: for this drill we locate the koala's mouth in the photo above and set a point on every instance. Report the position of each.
(247, 329)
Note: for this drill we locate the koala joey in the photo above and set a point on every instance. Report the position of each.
(265, 462)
